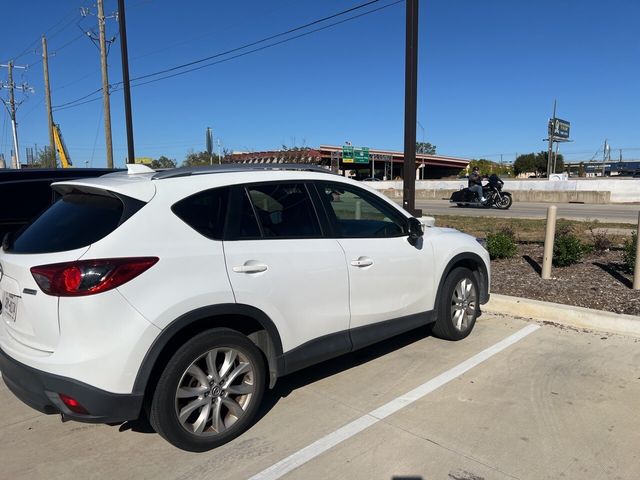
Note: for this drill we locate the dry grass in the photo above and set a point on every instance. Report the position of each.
(532, 230)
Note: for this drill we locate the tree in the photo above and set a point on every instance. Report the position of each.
(525, 163)
(536, 163)
(294, 149)
(44, 159)
(425, 148)
(197, 159)
(487, 167)
(543, 156)
(163, 162)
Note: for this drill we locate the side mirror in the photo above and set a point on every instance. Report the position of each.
(415, 229)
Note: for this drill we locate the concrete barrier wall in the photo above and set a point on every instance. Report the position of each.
(623, 190)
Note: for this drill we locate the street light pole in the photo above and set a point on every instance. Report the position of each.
(410, 108)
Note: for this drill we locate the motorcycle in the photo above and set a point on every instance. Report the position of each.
(492, 192)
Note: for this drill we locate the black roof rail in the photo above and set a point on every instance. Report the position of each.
(237, 167)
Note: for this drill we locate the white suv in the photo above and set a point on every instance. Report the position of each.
(183, 294)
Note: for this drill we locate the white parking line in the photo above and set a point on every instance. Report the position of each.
(309, 452)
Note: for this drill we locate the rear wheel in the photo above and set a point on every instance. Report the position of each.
(504, 202)
(210, 391)
(458, 305)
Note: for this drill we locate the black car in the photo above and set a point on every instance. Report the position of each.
(26, 193)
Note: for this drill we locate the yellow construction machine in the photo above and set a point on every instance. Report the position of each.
(61, 148)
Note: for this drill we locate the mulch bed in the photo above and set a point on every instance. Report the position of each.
(598, 281)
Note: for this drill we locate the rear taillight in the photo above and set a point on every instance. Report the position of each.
(88, 277)
(72, 404)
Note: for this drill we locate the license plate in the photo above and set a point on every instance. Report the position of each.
(10, 306)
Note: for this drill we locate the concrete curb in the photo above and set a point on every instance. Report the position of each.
(565, 314)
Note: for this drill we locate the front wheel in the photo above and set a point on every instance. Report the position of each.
(458, 306)
(210, 391)
(504, 201)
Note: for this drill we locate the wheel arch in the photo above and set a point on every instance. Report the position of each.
(245, 319)
(473, 262)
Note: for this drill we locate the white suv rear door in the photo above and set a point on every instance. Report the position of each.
(279, 262)
(389, 277)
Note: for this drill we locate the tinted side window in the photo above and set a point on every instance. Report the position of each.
(205, 212)
(74, 221)
(248, 224)
(357, 214)
(284, 210)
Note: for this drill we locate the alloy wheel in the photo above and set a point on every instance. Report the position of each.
(215, 391)
(463, 304)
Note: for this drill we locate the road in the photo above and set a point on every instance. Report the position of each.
(614, 213)
(515, 400)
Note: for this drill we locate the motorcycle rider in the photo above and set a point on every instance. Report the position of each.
(475, 184)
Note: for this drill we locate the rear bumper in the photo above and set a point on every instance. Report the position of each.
(40, 390)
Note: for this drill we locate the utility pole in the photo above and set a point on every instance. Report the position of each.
(604, 156)
(126, 84)
(209, 144)
(12, 114)
(551, 127)
(11, 107)
(105, 85)
(410, 108)
(47, 98)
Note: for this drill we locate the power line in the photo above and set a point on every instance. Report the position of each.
(34, 44)
(61, 106)
(265, 47)
(266, 39)
(116, 85)
(68, 43)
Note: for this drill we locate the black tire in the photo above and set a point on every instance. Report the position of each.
(505, 202)
(182, 385)
(446, 326)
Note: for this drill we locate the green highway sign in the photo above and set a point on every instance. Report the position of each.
(361, 154)
(352, 154)
(347, 154)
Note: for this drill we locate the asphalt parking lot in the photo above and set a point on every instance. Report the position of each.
(551, 403)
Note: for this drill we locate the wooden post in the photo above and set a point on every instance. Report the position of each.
(548, 242)
(636, 271)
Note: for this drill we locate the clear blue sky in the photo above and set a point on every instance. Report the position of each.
(488, 74)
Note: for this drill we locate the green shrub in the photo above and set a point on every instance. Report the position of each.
(567, 248)
(501, 244)
(629, 252)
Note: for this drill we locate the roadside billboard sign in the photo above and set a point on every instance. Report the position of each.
(559, 128)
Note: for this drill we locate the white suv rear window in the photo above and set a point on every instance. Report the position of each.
(74, 221)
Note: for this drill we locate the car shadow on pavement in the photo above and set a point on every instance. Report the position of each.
(614, 270)
(309, 375)
(286, 385)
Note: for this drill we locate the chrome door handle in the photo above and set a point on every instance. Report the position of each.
(250, 268)
(362, 262)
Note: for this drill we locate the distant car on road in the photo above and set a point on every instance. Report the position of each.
(26, 193)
